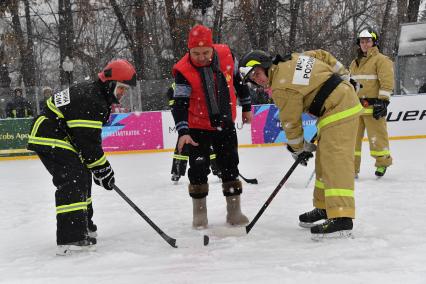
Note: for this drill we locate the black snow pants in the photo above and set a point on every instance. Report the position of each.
(73, 182)
(225, 145)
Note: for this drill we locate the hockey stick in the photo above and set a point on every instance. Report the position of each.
(168, 239)
(310, 179)
(249, 180)
(276, 190)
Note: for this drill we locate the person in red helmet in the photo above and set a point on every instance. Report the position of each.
(67, 138)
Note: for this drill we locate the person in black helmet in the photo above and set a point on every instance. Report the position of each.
(67, 139)
(315, 82)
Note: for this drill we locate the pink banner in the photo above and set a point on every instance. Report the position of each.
(133, 131)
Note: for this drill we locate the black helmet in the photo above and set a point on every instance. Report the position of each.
(252, 59)
(368, 33)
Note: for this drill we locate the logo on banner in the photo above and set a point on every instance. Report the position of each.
(303, 71)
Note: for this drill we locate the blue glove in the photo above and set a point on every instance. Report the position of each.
(303, 155)
(104, 176)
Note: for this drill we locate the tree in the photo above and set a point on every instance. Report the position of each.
(134, 41)
(25, 46)
(65, 38)
(180, 20)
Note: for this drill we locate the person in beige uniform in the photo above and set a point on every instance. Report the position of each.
(375, 72)
(312, 82)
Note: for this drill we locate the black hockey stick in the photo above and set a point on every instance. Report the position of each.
(249, 180)
(276, 190)
(168, 239)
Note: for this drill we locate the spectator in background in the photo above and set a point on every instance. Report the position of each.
(47, 93)
(19, 107)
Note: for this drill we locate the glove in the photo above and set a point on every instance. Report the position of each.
(357, 86)
(305, 154)
(104, 176)
(380, 108)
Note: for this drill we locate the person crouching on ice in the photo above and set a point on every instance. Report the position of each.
(311, 82)
(67, 138)
(204, 112)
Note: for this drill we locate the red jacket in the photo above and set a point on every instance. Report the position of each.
(198, 114)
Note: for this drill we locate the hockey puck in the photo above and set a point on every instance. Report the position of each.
(206, 240)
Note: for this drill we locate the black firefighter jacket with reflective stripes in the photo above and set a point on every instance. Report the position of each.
(73, 120)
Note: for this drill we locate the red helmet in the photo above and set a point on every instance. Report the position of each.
(119, 70)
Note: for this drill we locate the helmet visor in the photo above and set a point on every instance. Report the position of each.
(245, 73)
(120, 90)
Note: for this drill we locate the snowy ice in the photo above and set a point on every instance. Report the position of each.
(389, 244)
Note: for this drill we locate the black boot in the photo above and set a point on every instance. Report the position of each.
(337, 228)
(307, 220)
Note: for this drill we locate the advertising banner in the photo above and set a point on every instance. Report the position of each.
(407, 117)
(156, 130)
(133, 131)
(266, 125)
(14, 136)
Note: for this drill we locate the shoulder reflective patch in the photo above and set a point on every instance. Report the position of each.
(182, 91)
(303, 70)
(62, 98)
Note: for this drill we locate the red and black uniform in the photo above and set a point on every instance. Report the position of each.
(180, 160)
(67, 138)
(210, 123)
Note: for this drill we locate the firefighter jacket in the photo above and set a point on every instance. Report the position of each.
(296, 82)
(72, 120)
(375, 73)
(189, 86)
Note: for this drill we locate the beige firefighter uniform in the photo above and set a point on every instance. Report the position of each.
(295, 83)
(375, 73)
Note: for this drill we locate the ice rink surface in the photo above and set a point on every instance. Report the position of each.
(389, 244)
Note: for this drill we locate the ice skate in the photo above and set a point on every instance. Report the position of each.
(380, 172)
(308, 219)
(86, 245)
(92, 229)
(336, 228)
(175, 178)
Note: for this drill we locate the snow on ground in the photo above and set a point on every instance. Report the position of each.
(389, 244)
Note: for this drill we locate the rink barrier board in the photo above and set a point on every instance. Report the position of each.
(150, 132)
(33, 156)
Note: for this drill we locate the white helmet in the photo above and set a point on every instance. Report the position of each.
(368, 34)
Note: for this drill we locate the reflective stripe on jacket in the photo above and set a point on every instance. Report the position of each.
(297, 81)
(375, 73)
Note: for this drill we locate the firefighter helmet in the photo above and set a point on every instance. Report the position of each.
(368, 33)
(253, 59)
(119, 70)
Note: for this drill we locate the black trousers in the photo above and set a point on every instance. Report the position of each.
(73, 182)
(180, 161)
(225, 145)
